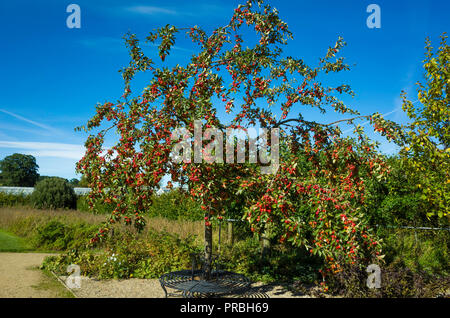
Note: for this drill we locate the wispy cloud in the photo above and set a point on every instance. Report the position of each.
(46, 149)
(151, 10)
(396, 109)
(181, 10)
(28, 120)
(9, 128)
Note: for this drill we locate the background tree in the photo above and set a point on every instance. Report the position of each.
(19, 170)
(396, 200)
(43, 178)
(427, 147)
(74, 182)
(83, 182)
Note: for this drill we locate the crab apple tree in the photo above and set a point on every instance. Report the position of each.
(237, 75)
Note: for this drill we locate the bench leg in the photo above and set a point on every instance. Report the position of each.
(164, 288)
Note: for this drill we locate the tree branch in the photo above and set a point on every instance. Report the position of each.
(284, 122)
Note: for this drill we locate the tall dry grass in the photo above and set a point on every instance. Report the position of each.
(12, 217)
(181, 228)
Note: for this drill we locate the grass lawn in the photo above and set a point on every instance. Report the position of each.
(50, 283)
(11, 243)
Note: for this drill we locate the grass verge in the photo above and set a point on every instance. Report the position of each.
(12, 243)
(52, 285)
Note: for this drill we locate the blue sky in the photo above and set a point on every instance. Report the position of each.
(53, 76)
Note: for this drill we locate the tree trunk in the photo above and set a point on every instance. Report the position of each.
(208, 250)
(265, 245)
(265, 242)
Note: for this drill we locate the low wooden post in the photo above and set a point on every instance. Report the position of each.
(208, 250)
(230, 233)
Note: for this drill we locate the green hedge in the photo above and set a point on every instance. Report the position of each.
(10, 200)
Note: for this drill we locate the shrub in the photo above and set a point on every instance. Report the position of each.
(55, 235)
(397, 281)
(53, 193)
(9, 199)
(124, 255)
(398, 200)
(164, 253)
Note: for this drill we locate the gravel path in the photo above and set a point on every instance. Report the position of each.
(127, 288)
(18, 275)
(151, 288)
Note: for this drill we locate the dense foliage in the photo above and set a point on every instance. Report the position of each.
(10, 200)
(396, 200)
(18, 170)
(427, 146)
(54, 193)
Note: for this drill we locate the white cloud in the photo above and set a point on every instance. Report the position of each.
(47, 149)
